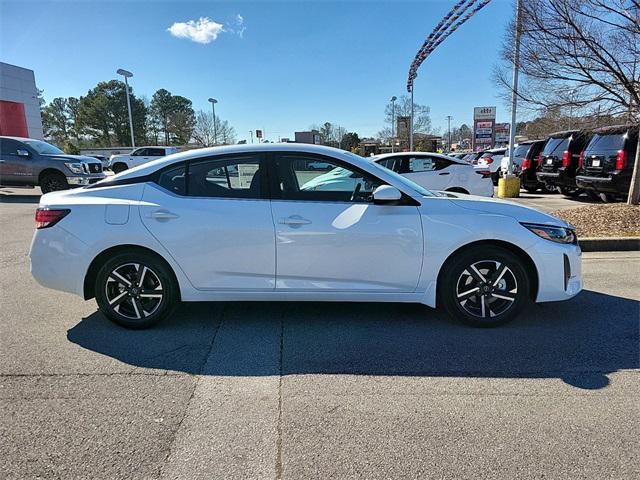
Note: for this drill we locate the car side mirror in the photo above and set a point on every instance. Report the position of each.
(386, 195)
(23, 153)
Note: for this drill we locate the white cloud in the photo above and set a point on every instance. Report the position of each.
(204, 30)
(240, 28)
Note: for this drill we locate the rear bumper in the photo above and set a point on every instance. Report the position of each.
(556, 179)
(611, 184)
(59, 260)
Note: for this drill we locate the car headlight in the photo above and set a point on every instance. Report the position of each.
(555, 234)
(75, 167)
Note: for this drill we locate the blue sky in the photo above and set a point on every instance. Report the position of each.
(285, 66)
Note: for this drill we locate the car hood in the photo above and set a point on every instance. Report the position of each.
(73, 158)
(492, 206)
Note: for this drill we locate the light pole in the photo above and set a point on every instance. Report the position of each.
(411, 124)
(393, 121)
(127, 75)
(449, 117)
(215, 129)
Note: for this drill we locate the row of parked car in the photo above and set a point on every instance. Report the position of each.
(596, 162)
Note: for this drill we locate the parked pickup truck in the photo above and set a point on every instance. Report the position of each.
(119, 163)
(26, 162)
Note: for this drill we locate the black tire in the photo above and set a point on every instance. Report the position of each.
(136, 304)
(531, 189)
(570, 192)
(607, 197)
(458, 283)
(495, 176)
(53, 182)
(119, 167)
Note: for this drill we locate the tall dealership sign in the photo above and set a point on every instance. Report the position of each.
(484, 127)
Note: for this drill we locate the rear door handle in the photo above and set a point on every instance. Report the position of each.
(163, 215)
(294, 221)
(445, 173)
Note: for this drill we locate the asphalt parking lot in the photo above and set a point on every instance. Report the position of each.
(313, 390)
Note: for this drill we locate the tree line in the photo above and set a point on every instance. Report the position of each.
(100, 118)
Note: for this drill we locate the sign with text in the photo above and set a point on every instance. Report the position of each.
(258, 133)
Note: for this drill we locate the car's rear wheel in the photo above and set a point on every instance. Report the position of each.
(571, 192)
(119, 167)
(484, 287)
(531, 189)
(136, 290)
(52, 182)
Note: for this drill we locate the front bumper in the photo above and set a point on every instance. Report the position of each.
(559, 270)
(611, 184)
(85, 180)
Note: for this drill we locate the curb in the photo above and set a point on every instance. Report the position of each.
(610, 244)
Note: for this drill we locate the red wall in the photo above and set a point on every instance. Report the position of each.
(12, 119)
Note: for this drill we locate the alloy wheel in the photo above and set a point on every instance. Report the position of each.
(134, 291)
(486, 289)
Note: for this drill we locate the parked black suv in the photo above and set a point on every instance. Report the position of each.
(607, 163)
(559, 160)
(526, 155)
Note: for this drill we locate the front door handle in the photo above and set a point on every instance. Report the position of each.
(294, 221)
(163, 215)
(444, 173)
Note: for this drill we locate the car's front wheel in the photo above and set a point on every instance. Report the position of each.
(484, 287)
(136, 289)
(52, 182)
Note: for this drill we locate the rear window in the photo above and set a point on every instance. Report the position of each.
(607, 142)
(555, 146)
(521, 151)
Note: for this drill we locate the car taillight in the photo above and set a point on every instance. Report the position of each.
(539, 160)
(526, 164)
(581, 160)
(484, 173)
(621, 160)
(488, 160)
(46, 217)
(566, 158)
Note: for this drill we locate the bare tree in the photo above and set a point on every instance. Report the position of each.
(421, 119)
(203, 133)
(581, 58)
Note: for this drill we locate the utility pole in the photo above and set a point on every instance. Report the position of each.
(449, 117)
(251, 133)
(411, 124)
(393, 122)
(514, 84)
(215, 129)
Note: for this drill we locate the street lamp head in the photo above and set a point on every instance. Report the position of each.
(213, 100)
(393, 99)
(124, 73)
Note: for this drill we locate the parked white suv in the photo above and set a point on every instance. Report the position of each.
(490, 161)
(119, 163)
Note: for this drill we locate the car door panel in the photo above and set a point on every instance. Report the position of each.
(220, 243)
(352, 245)
(15, 169)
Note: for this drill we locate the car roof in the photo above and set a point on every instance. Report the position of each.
(385, 156)
(194, 154)
(614, 129)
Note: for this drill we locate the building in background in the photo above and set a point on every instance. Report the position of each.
(312, 136)
(19, 105)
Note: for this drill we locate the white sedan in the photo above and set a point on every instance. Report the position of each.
(235, 224)
(439, 172)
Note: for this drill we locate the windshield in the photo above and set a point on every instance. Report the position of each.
(555, 146)
(403, 180)
(43, 148)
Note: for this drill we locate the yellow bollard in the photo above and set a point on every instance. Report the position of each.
(509, 186)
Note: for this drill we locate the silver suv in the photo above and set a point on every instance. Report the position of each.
(26, 162)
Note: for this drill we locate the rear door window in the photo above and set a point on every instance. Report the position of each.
(521, 151)
(155, 152)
